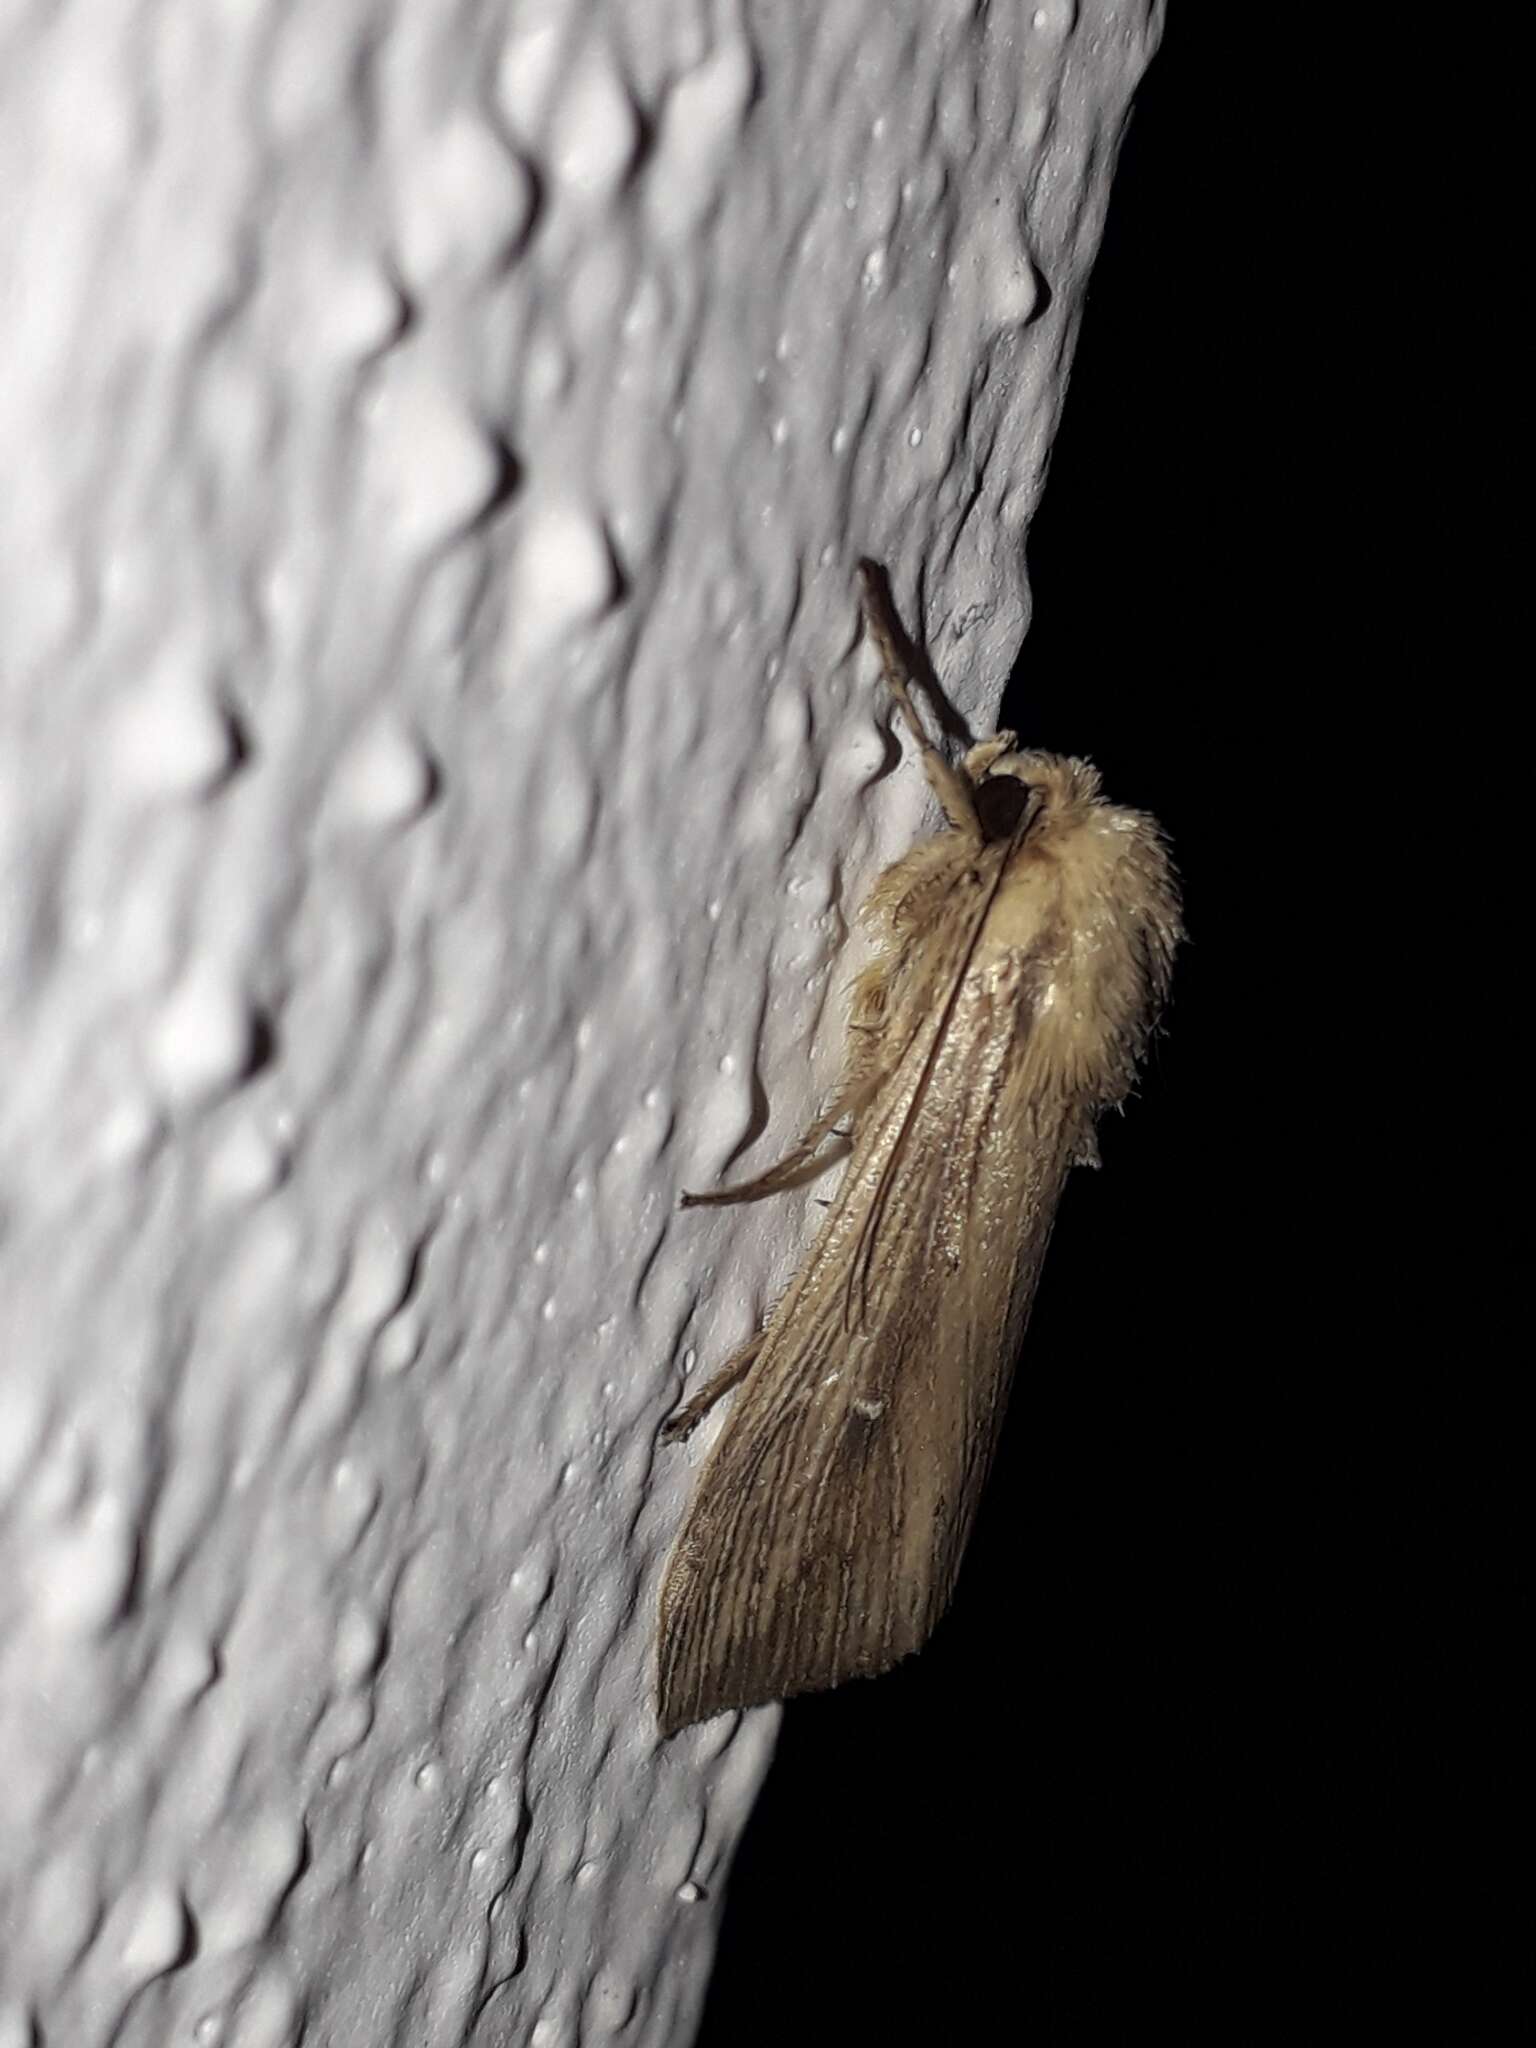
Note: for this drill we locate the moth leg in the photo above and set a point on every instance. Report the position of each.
(981, 756)
(788, 1171)
(947, 783)
(685, 1420)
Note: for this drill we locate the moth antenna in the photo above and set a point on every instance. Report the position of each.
(952, 788)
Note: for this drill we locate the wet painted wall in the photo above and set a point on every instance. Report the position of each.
(436, 779)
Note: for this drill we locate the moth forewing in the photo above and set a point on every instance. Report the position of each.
(1020, 959)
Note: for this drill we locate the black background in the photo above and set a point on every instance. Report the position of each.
(1180, 1756)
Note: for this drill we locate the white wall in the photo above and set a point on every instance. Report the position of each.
(433, 789)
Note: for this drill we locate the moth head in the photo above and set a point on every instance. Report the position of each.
(1023, 790)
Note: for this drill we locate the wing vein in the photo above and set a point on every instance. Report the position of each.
(863, 1259)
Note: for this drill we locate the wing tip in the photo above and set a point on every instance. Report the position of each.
(686, 1697)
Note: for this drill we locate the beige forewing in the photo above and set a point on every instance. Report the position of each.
(1012, 991)
(831, 1516)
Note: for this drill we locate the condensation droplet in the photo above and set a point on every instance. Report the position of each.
(468, 202)
(433, 464)
(125, 1133)
(160, 1935)
(358, 1646)
(350, 1502)
(204, 1038)
(245, 1165)
(84, 1572)
(188, 1665)
(353, 310)
(385, 780)
(398, 1345)
(595, 132)
(173, 738)
(382, 1260)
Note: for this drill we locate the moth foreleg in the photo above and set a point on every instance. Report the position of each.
(683, 1421)
(800, 1162)
(985, 752)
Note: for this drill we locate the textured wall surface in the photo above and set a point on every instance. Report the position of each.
(433, 787)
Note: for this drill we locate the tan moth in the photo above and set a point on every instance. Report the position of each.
(1020, 960)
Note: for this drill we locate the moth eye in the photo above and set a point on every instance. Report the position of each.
(1001, 802)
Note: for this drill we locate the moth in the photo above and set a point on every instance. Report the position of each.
(1020, 959)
